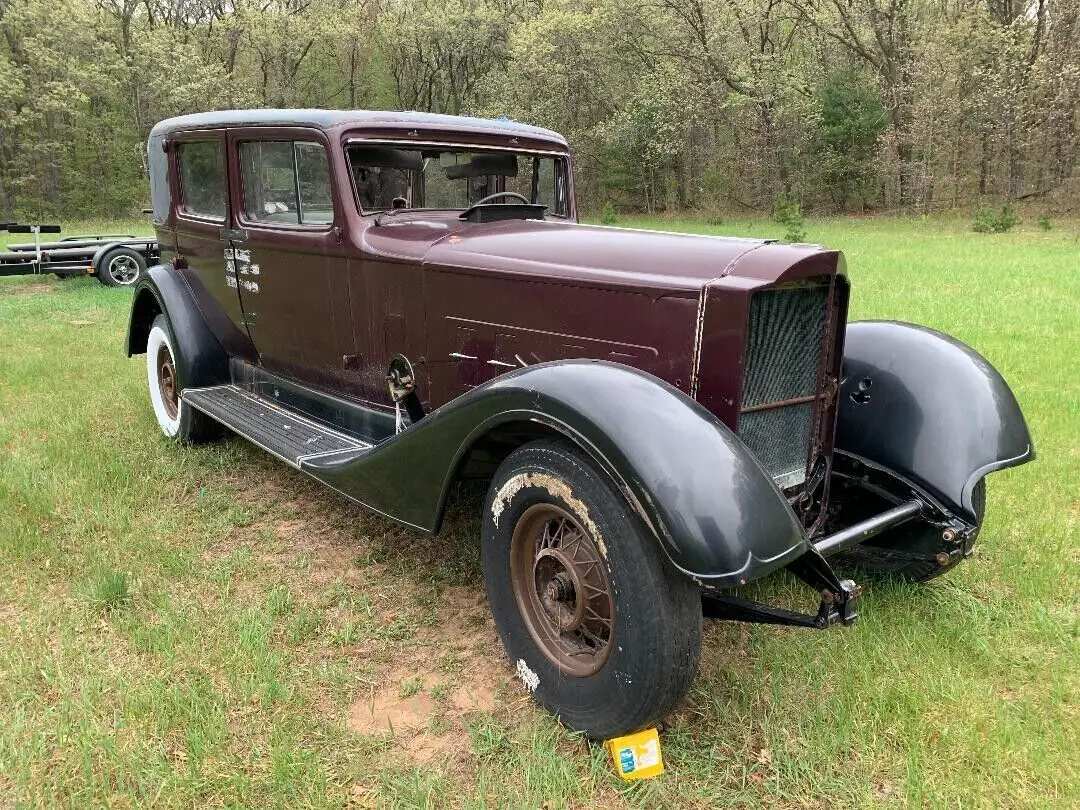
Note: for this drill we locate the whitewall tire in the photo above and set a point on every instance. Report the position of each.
(176, 418)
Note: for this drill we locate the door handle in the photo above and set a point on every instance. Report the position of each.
(237, 235)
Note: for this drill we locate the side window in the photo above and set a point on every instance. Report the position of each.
(313, 184)
(549, 185)
(202, 179)
(286, 183)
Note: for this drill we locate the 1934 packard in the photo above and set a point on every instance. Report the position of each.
(393, 302)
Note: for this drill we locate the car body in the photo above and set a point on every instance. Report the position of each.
(339, 288)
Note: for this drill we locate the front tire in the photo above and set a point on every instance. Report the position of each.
(599, 626)
(176, 418)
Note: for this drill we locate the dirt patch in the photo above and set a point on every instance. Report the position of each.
(388, 711)
(424, 708)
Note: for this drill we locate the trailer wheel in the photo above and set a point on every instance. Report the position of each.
(121, 267)
(599, 626)
(176, 418)
(909, 550)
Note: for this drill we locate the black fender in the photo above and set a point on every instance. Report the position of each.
(200, 360)
(928, 408)
(715, 511)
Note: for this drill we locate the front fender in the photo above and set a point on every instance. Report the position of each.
(927, 407)
(200, 358)
(715, 511)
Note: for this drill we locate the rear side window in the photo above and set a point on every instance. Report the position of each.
(202, 179)
(286, 183)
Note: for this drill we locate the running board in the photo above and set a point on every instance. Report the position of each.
(294, 439)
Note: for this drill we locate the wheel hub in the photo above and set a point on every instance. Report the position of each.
(560, 588)
(123, 269)
(558, 584)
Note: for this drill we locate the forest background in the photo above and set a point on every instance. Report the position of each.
(671, 106)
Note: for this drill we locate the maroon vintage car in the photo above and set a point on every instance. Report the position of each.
(393, 302)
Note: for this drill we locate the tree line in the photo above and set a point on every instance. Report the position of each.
(670, 105)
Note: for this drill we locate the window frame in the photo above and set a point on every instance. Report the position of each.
(563, 167)
(242, 216)
(176, 144)
(559, 186)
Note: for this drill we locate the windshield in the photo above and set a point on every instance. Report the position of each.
(391, 177)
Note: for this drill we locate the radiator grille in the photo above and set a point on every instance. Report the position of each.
(784, 348)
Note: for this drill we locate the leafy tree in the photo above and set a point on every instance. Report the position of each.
(669, 104)
(848, 141)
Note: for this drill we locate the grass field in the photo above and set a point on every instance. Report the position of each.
(203, 626)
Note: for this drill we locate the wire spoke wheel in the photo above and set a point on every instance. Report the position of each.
(558, 537)
(562, 590)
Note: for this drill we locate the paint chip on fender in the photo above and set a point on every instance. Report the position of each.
(556, 487)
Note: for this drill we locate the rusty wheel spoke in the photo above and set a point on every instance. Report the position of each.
(559, 539)
(604, 620)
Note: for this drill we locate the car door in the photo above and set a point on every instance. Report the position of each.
(286, 248)
(201, 215)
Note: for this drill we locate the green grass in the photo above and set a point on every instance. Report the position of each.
(190, 626)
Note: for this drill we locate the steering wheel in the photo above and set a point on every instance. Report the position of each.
(490, 197)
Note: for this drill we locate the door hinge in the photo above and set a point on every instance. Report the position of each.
(338, 235)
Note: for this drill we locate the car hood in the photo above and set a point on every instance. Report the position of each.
(595, 255)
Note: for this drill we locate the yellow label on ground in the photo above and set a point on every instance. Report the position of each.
(637, 756)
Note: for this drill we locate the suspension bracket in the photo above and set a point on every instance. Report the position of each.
(839, 599)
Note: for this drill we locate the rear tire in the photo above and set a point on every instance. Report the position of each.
(176, 418)
(600, 627)
(121, 267)
(884, 555)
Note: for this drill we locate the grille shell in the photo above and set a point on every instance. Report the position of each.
(785, 345)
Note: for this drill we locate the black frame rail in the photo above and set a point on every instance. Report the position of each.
(839, 597)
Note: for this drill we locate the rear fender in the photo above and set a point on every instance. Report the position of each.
(928, 408)
(715, 511)
(200, 358)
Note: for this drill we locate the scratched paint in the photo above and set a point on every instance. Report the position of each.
(555, 487)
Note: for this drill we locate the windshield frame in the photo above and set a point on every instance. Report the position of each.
(556, 153)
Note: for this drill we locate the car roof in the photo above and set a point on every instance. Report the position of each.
(344, 119)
